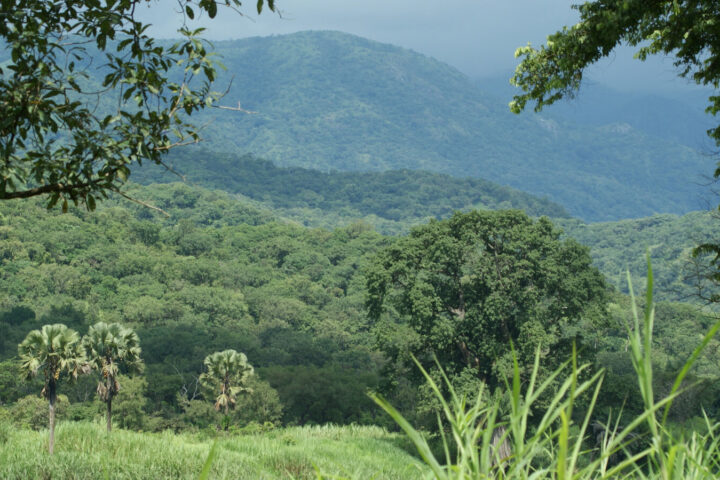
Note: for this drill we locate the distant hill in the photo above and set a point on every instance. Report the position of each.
(680, 118)
(619, 247)
(329, 100)
(392, 201)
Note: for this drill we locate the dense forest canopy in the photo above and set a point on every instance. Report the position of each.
(223, 273)
(392, 201)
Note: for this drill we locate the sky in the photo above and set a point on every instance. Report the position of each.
(478, 37)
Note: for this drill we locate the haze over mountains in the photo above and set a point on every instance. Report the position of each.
(332, 101)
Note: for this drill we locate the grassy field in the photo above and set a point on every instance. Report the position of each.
(85, 451)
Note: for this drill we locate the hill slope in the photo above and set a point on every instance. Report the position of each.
(329, 100)
(391, 201)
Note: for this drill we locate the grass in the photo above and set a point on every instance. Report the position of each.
(85, 451)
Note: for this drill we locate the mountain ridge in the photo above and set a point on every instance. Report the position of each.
(328, 100)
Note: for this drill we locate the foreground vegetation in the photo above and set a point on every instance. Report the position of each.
(85, 451)
(512, 438)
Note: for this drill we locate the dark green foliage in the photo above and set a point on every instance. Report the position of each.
(678, 330)
(617, 247)
(284, 295)
(324, 394)
(464, 289)
(396, 197)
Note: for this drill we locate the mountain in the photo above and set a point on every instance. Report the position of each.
(678, 117)
(328, 100)
(391, 201)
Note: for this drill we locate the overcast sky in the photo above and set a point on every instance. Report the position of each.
(478, 37)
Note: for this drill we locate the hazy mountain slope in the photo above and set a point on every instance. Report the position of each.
(679, 117)
(334, 101)
(392, 201)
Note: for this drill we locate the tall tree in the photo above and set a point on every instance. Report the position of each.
(110, 348)
(56, 350)
(59, 135)
(463, 289)
(226, 375)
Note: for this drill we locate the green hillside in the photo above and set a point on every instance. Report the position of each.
(391, 201)
(617, 247)
(329, 100)
(223, 273)
(217, 274)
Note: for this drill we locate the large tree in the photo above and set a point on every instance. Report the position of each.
(463, 289)
(63, 135)
(56, 350)
(110, 348)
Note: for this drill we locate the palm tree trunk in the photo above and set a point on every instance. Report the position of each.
(109, 414)
(52, 397)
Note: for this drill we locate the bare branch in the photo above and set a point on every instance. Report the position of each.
(140, 202)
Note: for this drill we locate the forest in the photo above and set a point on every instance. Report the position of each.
(221, 273)
(315, 255)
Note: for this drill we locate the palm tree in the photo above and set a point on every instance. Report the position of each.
(227, 373)
(109, 347)
(54, 349)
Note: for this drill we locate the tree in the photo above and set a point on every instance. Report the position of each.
(56, 350)
(464, 289)
(65, 136)
(110, 347)
(685, 29)
(227, 376)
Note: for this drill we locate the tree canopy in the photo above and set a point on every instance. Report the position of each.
(59, 135)
(463, 289)
(685, 29)
(227, 375)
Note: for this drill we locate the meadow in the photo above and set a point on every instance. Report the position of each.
(86, 451)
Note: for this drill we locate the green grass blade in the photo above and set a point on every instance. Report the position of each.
(212, 455)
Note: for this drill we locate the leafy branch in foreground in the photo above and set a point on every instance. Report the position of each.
(557, 447)
(60, 136)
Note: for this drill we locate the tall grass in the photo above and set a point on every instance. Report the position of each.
(85, 451)
(487, 445)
